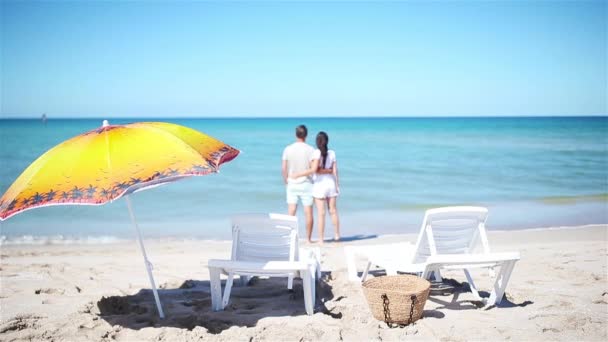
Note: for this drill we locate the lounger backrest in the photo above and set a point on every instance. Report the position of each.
(452, 230)
(264, 237)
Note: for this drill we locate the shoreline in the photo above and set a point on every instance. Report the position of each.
(79, 227)
(61, 240)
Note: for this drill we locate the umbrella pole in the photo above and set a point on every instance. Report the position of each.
(146, 261)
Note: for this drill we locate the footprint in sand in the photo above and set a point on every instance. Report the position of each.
(87, 308)
(596, 276)
(20, 322)
(111, 334)
(602, 300)
(50, 291)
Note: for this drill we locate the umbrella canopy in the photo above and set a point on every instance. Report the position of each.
(105, 164)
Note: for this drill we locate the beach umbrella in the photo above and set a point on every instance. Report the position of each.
(115, 161)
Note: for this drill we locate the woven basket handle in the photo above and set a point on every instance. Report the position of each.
(387, 311)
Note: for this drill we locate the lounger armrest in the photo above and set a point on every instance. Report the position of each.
(378, 254)
(310, 254)
(248, 266)
(471, 259)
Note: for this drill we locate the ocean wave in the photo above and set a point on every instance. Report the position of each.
(602, 197)
(58, 240)
(35, 240)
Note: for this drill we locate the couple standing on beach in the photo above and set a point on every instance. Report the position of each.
(312, 173)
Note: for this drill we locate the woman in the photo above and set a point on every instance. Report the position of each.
(326, 185)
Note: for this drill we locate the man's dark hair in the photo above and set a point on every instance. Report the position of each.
(301, 132)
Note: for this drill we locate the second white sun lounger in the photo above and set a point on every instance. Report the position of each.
(449, 238)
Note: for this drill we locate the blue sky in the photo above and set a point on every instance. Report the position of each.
(223, 59)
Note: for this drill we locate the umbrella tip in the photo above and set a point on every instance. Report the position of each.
(105, 123)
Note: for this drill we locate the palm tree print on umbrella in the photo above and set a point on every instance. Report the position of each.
(12, 205)
(122, 185)
(114, 192)
(76, 193)
(172, 172)
(134, 181)
(50, 195)
(36, 199)
(159, 175)
(91, 191)
(105, 193)
(199, 169)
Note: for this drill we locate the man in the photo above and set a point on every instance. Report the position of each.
(297, 158)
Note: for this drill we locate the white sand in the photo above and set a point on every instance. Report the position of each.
(558, 291)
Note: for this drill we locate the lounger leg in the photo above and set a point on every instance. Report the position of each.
(216, 289)
(312, 254)
(290, 282)
(432, 272)
(349, 253)
(365, 272)
(308, 283)
(500, 284)
(313, 273)
(227, 290)
(426, 274)
(317, 253)
(437, 275)
(318, 271)
(472, 285)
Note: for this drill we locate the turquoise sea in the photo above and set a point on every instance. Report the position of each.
(530, 172)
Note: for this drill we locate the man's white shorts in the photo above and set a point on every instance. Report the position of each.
(303, 191)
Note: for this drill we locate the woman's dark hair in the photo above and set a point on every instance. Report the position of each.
(322, 140)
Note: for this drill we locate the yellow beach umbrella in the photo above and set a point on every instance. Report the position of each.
(105, 164)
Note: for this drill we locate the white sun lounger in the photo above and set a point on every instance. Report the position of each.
(450, 238)
(265, 245)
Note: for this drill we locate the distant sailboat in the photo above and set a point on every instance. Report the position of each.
(44, 119)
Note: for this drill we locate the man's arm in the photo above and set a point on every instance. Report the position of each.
(284, 171)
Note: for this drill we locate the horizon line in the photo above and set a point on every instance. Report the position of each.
(60, 117)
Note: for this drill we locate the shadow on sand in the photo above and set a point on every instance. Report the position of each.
(451, 287)
(352, 238)
(189, 305)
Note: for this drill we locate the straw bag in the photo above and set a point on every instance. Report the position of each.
(396, 299)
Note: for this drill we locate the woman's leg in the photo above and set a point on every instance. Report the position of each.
(320, 202)
(335, 220)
